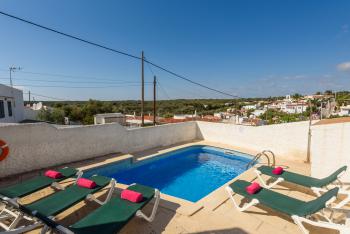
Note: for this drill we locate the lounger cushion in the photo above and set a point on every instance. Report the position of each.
(35, 184)
(62, 200)
(283, 203)
(112, 216)
(306, 181)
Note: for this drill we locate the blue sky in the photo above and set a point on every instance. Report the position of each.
(247, 48)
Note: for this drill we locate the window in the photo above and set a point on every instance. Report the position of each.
(9, 108)
(2, 110)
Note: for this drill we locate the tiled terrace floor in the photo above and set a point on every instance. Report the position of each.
(213, 214)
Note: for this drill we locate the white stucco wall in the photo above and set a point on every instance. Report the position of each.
(330, 149)
(16, 97)
(285, 140)
(30, 114)
(40, 145)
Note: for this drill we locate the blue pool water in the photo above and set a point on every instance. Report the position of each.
(190, 173)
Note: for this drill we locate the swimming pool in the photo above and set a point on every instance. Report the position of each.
(189, 173)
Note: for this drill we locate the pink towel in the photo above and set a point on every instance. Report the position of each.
(277, 171)
(131, 196)
(53, 174)
(253, 188)
(85, 183)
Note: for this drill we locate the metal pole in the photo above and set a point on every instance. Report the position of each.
(11, 68)
(13, 96)
(142, 90)
(29, 97)
(308, 156)
(154, 99)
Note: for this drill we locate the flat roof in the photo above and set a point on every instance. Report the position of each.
(110, 115)
(333, 121)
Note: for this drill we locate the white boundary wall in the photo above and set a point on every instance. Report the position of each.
(40, 145)
(285, 140)
(330, 149)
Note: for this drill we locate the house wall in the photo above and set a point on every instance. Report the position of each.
(16, 97)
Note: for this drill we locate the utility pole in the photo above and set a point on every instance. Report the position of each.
(13, 69)
(29, 98)
(154, 99)
(142, 89)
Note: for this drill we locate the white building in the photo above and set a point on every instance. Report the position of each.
(181, 116)
(110, 118)
(293, 108)
(249, 107)
(11, 105)
(273, 106)
(344, 110)
(257, 113)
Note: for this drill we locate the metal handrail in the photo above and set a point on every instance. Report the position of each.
(263, 153)
(273, 156)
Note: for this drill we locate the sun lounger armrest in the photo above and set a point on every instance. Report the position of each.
(91, 197)
(151, 217)
(79, 175)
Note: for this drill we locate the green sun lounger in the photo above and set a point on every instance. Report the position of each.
(303, 180)
(115, 214)
(35, 184)
(56, 203)
(62, 200)
(318, 186)
(298, 210)
(111, 217)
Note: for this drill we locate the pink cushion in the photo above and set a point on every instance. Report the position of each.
(253, 188)
(85, 183)
(53, 174)
(277, 171)
(131, 196)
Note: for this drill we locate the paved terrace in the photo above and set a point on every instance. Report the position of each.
(213, 214)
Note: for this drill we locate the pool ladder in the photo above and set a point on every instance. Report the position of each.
(267, 154)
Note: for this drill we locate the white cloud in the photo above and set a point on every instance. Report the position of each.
(344, 66)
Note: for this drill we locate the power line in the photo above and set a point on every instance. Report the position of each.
(54, 98)
(77, 87)
(116, 51)
(191, 81)
(163, 90)
(76, 82)
(70, 36)
(64, 76)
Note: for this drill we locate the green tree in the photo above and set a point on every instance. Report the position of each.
(296, 96)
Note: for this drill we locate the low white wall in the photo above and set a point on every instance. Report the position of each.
(330, 149)
(30, 114)
(285, 140)
(40, 145)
